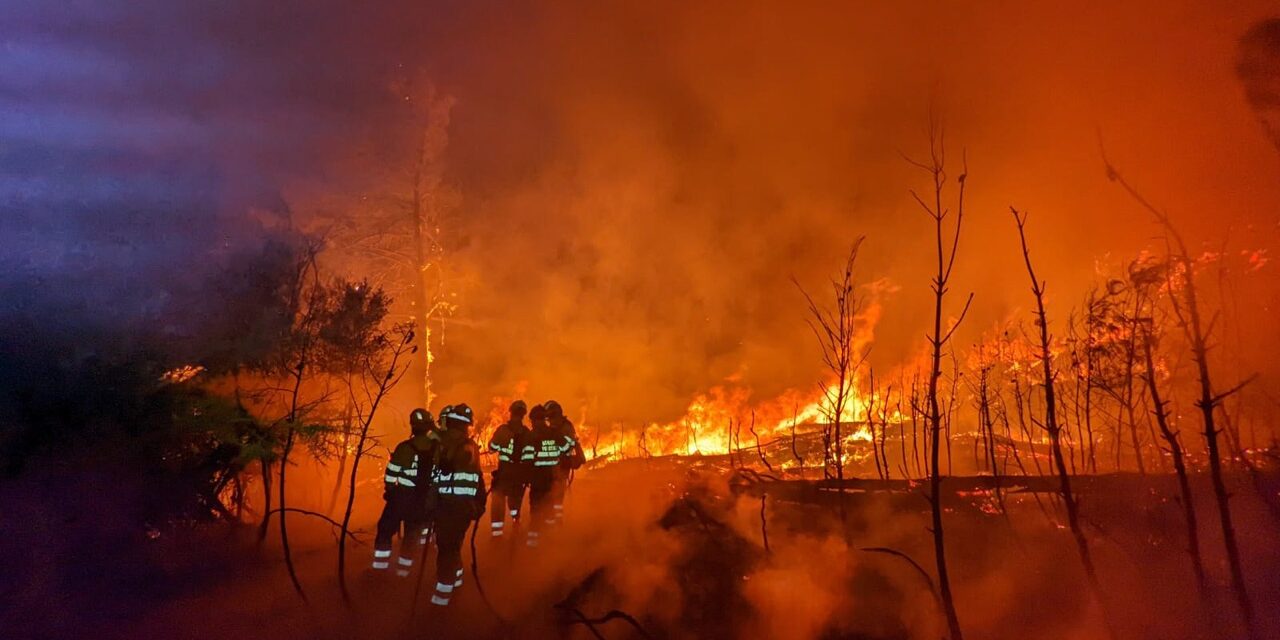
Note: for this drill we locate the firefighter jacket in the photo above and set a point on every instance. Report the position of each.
(509, 442)
(456, 476)
(528, 451)
(410, 462)
(571, 455)
(547, 444)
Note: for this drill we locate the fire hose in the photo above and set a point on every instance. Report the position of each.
(475, 567)
(422, 570)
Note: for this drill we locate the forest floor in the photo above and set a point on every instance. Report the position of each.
(664, 541)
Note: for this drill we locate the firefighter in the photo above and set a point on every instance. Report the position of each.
(571, 457)
(459, 498)
(509, 479)
(544, 447)
(528, 450)
(405, 495)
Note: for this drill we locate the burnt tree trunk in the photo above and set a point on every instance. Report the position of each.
(265, 525)
(1051, 419)
(937, 340)
(871, 426)
(290, 435)
(1131, 357)
(1179, 467)
(342, 462)
(1088, 416)
(987, 426)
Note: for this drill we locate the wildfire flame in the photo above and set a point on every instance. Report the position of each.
(181, 374)
(723, 419)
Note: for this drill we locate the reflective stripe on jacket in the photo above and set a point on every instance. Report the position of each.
(547, 447)
(404, 466)
(458, 483)
(528, 450)
(504, 441)
(457, 473)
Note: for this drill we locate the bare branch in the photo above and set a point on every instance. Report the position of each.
(313, 514)
(1233, 390)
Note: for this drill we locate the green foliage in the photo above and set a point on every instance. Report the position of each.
(199, 414)
(256, 325)
(351, 327)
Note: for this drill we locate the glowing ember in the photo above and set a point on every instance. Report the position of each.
(181, 374)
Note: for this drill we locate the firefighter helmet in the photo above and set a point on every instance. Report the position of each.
(519, 408)
(420, 421)
(554, 410)
(537, 413)
(458, 413)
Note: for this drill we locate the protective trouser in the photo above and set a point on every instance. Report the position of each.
(399, 511)
(541, 504)
(559, 489)
(504, 501)
(452, 522)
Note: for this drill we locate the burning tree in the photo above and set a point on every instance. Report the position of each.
(1113, 341)
(1080, 343)
(836, 328)
(395, 230)
(984, 362)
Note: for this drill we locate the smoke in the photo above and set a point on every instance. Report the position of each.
(665, 541)
(661, 172)
(638, 183)
(1259, 70)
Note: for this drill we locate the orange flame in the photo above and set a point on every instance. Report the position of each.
(723, 419)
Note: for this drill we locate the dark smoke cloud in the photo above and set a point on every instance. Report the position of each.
(1259, 70)
(639, 181)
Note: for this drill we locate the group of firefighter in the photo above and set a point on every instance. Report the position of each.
(435, 487)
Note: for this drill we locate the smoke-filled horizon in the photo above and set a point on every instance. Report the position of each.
(638, 185)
